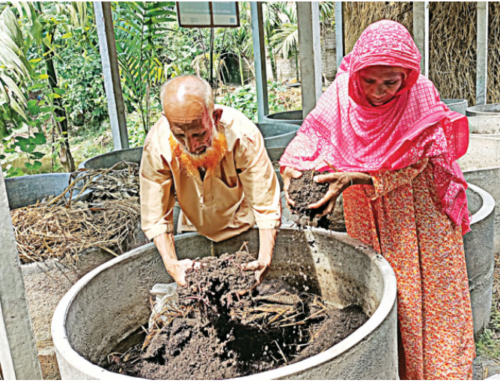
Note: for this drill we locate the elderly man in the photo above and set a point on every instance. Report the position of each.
(213, 158)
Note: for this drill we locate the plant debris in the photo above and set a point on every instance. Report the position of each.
(61, 227)
(218, 329)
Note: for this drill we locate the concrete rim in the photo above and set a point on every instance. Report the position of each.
(83, 165)
(387, 303)
(453, 101)
(474, 109)
(487, 207)
(294, 129)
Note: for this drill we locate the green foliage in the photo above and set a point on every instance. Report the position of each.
(139, 30)
(244, 99)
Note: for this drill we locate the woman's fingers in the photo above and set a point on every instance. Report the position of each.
(329, 194)
(295, 173)
(329, 208)
(287, 174)
(325, 178)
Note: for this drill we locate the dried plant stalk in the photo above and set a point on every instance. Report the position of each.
(358, 15)
(453, 36)
(58, 228)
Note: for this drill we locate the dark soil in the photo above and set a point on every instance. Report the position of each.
(217, 333)
(304, 192)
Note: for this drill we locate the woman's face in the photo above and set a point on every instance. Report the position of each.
(381, 83)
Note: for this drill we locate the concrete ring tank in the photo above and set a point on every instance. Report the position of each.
(484, 110)
(457, 105)
(275, 135)
(290, 117)
(479, 252)
(27, 190)
(47, 282)
(481, 167)
(485, 125)
(479, 255)
(111, 302)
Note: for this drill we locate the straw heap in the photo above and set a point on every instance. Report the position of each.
(60, 228)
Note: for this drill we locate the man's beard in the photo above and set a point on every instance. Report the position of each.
(208, 160)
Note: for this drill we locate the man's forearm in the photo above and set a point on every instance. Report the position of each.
(267, 239)
(166, 247)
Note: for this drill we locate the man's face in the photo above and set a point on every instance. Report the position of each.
(195, 135)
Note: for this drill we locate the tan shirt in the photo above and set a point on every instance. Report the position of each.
(242, 191)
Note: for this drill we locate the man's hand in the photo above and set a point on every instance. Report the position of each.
(177, 270)
(261, 268)
(287, 175)
(267, 239)
(339, 181)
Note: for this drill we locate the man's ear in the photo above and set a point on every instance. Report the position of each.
(217, 115)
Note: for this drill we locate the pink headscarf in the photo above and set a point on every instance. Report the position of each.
(346, 132)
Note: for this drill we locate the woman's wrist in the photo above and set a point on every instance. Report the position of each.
(361, 178)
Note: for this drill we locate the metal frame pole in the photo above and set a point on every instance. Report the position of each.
(259, 49)
(112, 85)
(339, 32)
(482, 53)
(310, 54)
(18, 353)
(421, 33)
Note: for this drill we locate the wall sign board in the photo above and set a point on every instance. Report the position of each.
(208, 14)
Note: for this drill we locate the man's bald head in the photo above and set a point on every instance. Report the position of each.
(188, 106)
(186, 98)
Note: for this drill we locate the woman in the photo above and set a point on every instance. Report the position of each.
(394, 145)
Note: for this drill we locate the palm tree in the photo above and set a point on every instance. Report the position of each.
(14, 69)
(139, 30)
(40, 33)
(286, 37)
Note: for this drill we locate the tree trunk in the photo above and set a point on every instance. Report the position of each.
(65, 155)
(296, 53)
(240, 59)
(272, 59)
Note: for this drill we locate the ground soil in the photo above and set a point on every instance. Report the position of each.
(222, 333)
(304, 192)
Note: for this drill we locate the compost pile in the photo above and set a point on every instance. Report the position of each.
(219, 329)
(304, 191)
(104, 214)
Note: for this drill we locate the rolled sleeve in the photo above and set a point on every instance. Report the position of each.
(259, 181)
(157, 198)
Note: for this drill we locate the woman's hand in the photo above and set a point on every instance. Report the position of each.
(287, 175)
(338, 183)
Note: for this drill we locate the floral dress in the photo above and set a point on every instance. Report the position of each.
(400, 216)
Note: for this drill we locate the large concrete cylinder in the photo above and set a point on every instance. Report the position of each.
(457, 105)
(289, 117)
(28, 190)
(111, 302)
(481, 167)
(479, 255)
(484, 110)
(275, 135)
(47, 282)
(479, 252)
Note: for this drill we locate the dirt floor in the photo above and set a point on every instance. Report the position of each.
(217, 329)
(304, 192)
